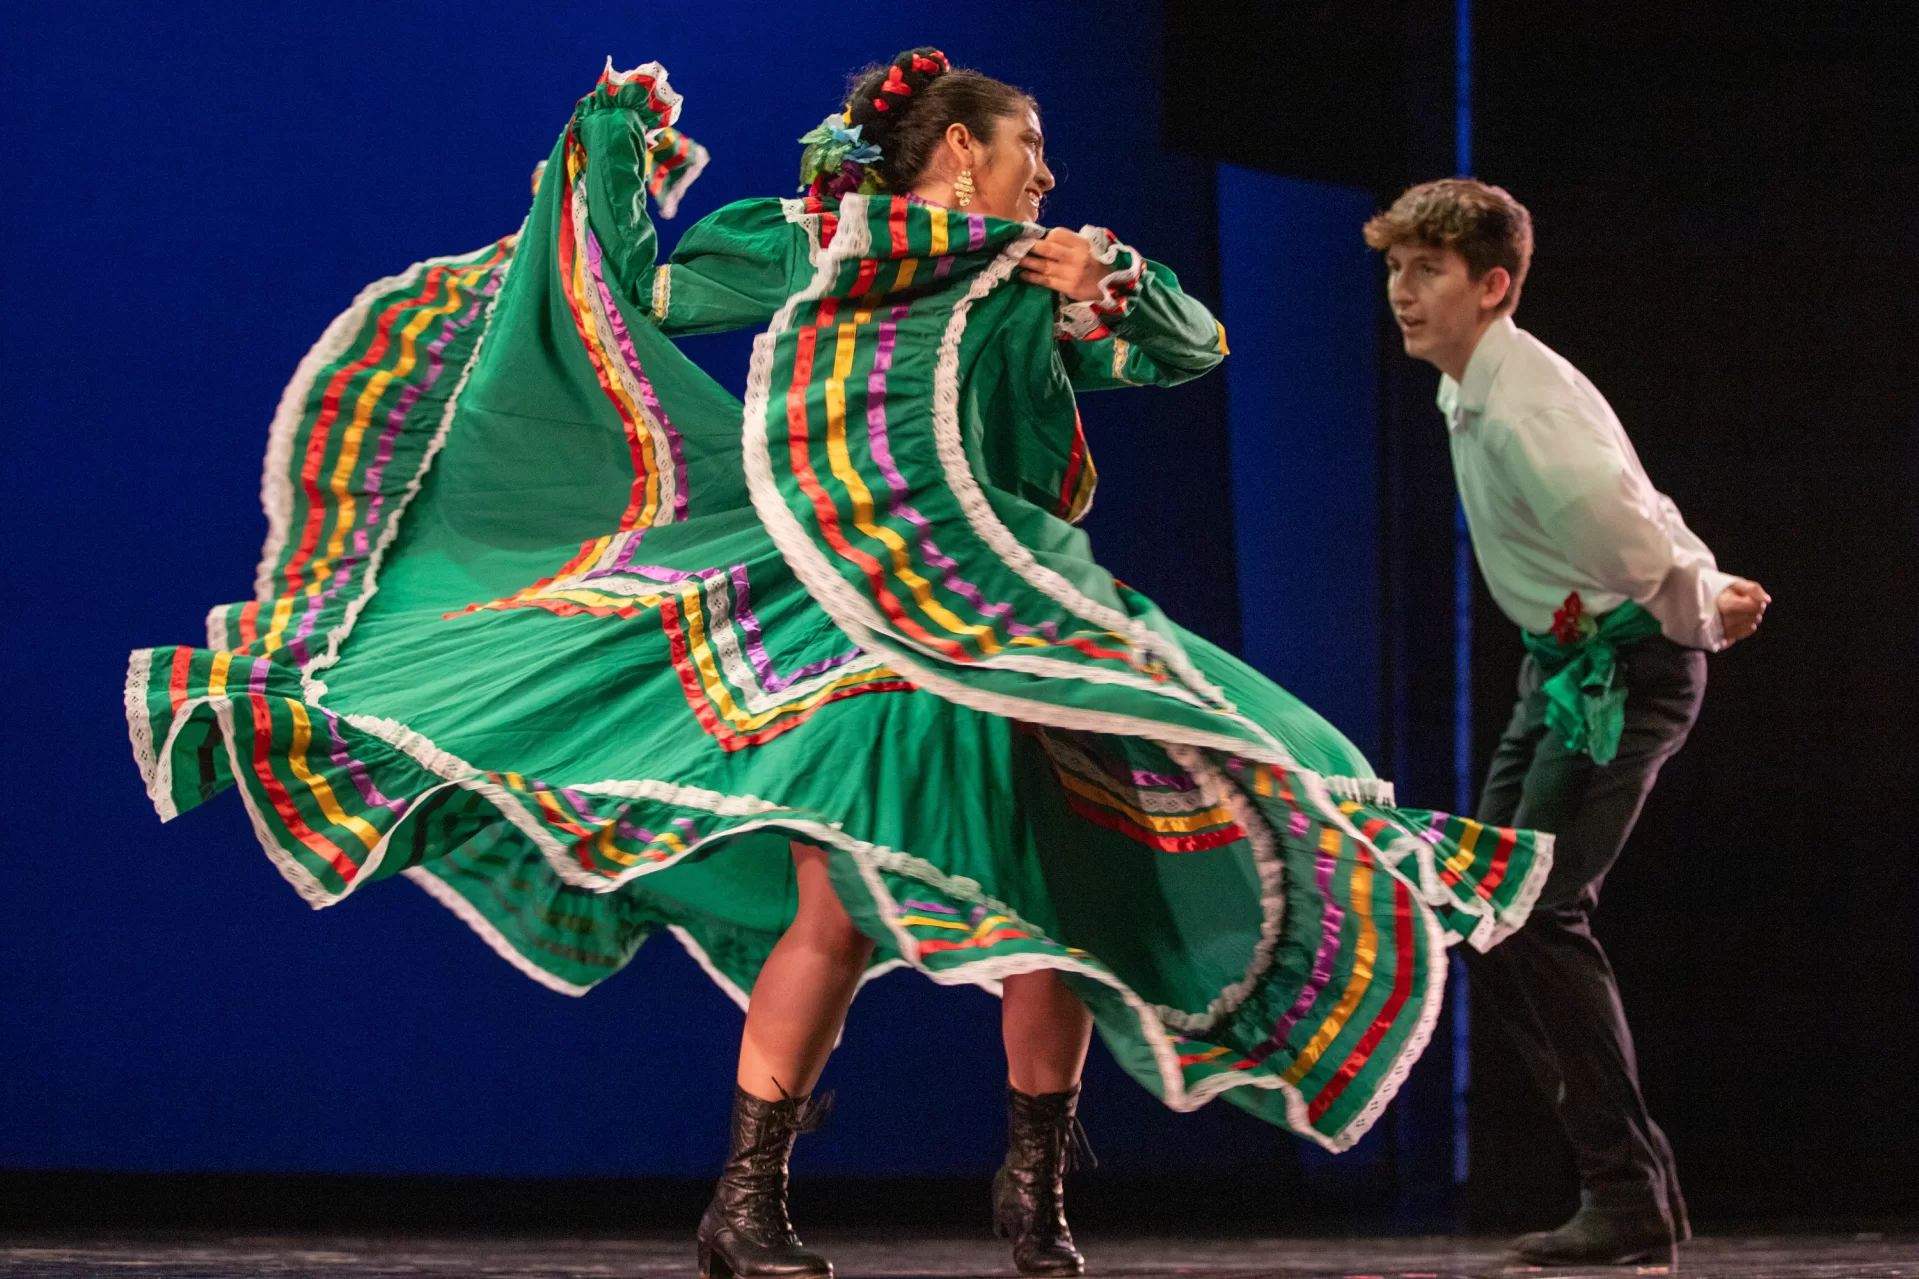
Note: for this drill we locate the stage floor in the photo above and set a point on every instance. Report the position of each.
(857, 1256)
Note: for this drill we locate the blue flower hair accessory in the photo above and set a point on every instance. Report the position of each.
(837, 157)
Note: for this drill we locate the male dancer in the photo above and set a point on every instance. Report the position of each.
(1616, 598)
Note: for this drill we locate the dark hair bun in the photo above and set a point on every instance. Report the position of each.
(884, 95)
(905, 107)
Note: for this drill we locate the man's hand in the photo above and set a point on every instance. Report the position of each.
(1063, 261)
(1742, 606)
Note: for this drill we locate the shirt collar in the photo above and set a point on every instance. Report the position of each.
(1464, 400)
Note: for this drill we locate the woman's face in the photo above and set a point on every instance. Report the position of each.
(1011, 179)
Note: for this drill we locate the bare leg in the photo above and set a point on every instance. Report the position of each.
(1046, 1030)
(801, 997)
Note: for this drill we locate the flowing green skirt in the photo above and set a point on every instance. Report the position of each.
(574, 739)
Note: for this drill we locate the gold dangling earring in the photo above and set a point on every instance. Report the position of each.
(963, 187)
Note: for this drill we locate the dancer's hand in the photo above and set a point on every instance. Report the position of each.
(1742, 606)
(1063, 261)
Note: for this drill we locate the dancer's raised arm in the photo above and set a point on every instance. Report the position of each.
(734, 268)
(1126, 321)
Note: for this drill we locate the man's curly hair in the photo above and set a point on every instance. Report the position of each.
(1481, 222)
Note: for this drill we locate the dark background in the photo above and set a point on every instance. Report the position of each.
(1725, 203)
(1727, 219)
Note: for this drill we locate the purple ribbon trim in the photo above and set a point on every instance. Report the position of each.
(1329, 926)
(880, 444)
(362, 780)
(632, 358)
(371, 482)
(749, 622)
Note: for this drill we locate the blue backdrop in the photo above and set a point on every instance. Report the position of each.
(1303, 309)
(192, 193)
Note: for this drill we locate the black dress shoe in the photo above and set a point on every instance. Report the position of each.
(745, 1233)
(1602, 1237)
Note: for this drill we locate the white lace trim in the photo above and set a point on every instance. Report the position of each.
(1093, 773)
(312, 688)
(986, 523)
(1437, 964)
(1272, 892)
(1365, 790)
(1107, 250)
(665, 506)
(855, 614)
(451, 898)
(1514, 917)
(712, 801)
(311, 890)
(661, 89)
(795, 211)
(140, 729)
(276, 484)
(668, 201)
(160, 789)
(870, 858)
(726, 984)
(879, 970)
(217, 627)
(462, 774)
(1078, 319)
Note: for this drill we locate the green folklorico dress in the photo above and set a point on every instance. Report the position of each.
(553, 625)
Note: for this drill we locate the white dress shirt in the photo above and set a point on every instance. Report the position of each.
(1557, 501)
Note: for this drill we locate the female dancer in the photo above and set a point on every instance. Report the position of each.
(823, 683)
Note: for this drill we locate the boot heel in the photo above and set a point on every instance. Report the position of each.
(1044, 1141)
(745, 1232)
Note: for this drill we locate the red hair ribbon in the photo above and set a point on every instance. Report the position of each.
(928, 64)
(896, 83)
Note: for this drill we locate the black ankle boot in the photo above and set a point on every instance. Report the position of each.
(1044, 1141)
(745, 1231)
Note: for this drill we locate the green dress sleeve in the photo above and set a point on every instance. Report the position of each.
(735, 267)
(607, 160)
(1143, 330)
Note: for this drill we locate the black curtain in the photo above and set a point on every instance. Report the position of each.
(1728, 246)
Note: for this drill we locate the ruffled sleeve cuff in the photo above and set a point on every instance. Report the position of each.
(1084, 321)
(644, 90)
(672, 160)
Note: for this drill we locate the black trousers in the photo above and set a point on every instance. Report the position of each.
(1550, 985)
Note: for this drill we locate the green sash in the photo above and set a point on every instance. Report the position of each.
(1582, 705)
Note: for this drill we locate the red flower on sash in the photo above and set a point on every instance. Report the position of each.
(1570, 622)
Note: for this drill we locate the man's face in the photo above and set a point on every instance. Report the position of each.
(1438, 305)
